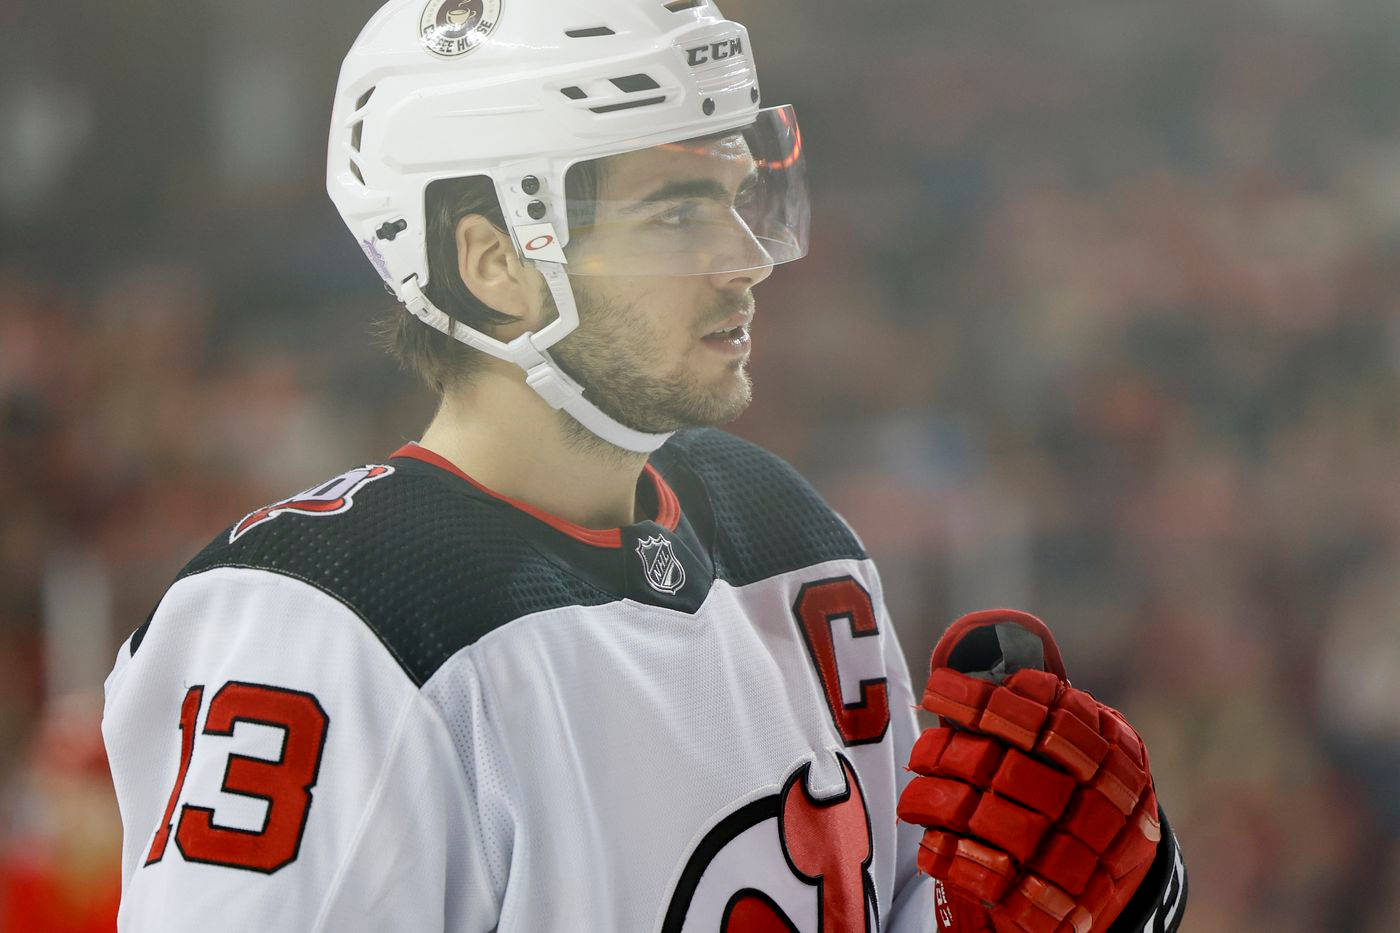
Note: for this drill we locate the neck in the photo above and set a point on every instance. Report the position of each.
(504, 436)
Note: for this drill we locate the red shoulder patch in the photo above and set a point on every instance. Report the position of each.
(329, 498)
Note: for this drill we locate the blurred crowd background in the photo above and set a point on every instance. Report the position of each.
(1102, 320)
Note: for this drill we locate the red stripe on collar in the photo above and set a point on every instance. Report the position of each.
(668, 508)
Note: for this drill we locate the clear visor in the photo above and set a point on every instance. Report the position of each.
(730, 202)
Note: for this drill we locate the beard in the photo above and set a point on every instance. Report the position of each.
(612, 355)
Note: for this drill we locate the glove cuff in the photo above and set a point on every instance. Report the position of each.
(1160, 900)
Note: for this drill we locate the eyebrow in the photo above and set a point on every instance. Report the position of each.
(704, 188)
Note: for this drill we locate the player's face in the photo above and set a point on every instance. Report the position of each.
(664, 351)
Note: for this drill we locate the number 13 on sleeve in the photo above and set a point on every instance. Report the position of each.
(285, 784)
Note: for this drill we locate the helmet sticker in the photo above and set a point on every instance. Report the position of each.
(455, 27)
(540, 241)
(377, 259)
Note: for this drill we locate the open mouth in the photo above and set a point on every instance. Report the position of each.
(732, 340)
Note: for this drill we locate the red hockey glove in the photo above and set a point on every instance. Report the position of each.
(1037, 800)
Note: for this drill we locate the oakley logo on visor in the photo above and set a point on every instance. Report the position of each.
(539, 241)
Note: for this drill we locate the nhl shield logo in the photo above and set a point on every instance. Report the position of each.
(663, 571)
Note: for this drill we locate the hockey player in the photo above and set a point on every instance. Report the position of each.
(577, 660)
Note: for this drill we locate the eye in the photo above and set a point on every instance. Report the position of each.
(677, 216)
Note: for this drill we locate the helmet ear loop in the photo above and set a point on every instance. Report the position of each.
(990, 617)
(1051, 661)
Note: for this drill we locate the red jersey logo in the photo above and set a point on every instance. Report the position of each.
(329, 498)
(790, 862)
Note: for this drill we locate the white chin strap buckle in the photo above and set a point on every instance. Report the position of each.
(561, 392)
(553, 386)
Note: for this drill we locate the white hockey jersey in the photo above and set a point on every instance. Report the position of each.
(399, 701)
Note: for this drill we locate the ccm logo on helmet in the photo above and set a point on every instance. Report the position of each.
(715, 51)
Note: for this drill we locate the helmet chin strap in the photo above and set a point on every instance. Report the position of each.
(528, 351)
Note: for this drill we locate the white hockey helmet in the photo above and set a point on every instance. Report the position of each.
(520, 91)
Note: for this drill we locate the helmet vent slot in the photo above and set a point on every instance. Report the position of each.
(677, 6)
(628, 105)
(355, 170)
(573, 93)
(364, 99)
(589, 33)
(631, 83)
(355, 132)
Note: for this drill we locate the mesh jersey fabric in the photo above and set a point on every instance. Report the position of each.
(404, 554)
(564, 738)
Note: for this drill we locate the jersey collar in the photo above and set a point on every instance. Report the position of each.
(668, 510)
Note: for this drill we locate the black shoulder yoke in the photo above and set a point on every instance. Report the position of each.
(432, 564)
(428, 571)
(769, 520)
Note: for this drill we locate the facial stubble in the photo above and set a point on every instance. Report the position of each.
(612, 355)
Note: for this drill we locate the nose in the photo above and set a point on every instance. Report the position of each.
(747, 265)
(743, 278)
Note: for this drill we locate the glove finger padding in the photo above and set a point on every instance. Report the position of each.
(1037, 799)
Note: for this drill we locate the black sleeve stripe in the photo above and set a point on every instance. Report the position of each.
(139, 635)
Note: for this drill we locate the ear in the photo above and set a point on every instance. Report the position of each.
(493, 272)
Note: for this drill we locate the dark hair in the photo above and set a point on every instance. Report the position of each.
(437, 359)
